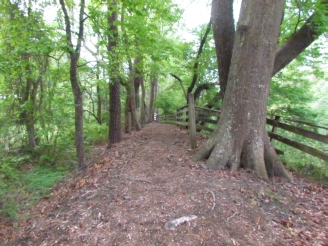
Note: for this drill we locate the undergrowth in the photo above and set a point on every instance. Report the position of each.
(19, 192)
(27, 176)
(306, 164)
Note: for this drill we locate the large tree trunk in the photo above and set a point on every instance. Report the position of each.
(240, 139)
(224, 31)
(223, 34)
(114, 83)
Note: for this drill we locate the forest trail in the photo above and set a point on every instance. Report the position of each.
(131, 191)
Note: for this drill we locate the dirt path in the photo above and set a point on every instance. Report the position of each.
(135, 188)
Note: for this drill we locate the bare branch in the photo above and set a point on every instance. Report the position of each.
(200, 51)
(181, 84)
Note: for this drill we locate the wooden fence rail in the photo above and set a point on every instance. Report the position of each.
(206, 119)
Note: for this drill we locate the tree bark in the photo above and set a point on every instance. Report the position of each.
(240, 138)
(114, 83)
(127, 110)
(74, 55)
(153, 89)
(143, 105)
(224, 32)
(135, 122)
(137, 80)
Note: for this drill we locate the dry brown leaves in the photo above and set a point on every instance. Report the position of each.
(135, 188)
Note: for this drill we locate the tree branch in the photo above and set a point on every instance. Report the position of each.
(200, 51)
(181, 84)
(67, 25)
(302, 39)
(81, 29)
(200, 88)
(97, 119)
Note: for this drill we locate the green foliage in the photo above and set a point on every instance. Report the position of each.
(96, 133)
(303, 163)
(39, 181)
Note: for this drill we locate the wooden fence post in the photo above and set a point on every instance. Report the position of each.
(192, 121)
(274, 128)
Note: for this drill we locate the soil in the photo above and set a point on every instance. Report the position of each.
(131, 193)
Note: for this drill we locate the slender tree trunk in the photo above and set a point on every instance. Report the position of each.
(142, 107)
(240, 138)
(114, 84)
(74, 55)
(99, 116)
(137, 80)
(30, 102)
(78, 102)
(153, 89)
(135, 122)
(127, 109)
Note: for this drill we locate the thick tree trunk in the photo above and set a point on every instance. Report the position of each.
(240, 139)
(114, 83)
(224, 31)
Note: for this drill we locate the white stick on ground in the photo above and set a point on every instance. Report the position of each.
(172, 224)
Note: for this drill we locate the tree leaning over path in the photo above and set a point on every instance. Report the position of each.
(240, 138)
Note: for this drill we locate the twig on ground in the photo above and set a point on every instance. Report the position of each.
(213, 195)
(172, 224)
(231, 217)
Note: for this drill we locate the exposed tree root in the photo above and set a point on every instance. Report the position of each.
(254, 153)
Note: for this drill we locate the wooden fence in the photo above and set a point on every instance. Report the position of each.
(204, 119)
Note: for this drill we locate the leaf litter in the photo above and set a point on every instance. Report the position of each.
(146, 191)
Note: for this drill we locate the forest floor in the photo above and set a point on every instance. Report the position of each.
(132, 193)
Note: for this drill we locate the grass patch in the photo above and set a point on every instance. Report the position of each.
(30, 186)
(40, 180)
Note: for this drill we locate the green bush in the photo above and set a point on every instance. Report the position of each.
(95, 133)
